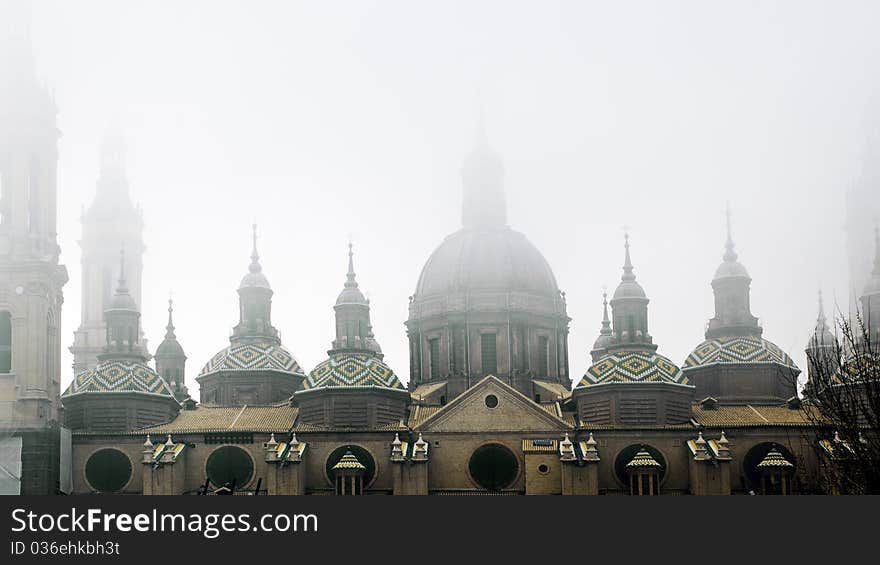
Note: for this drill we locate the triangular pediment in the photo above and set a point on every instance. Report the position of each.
(473, 411)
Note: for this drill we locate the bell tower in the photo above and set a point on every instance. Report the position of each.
(31, 278)
(112, 220)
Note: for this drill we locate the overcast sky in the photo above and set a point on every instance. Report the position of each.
(324, 120)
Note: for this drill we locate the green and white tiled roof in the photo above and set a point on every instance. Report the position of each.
(633, 367)
(253, 357)
(119, 376)
(352, 370)
(736, 350)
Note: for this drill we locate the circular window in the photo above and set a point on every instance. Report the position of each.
(627, 455)
(543, 469)
(108, 470)
(230, 465)
(360, 453)
(491, 401)
(493, 466)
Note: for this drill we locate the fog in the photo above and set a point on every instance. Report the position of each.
(324, 121)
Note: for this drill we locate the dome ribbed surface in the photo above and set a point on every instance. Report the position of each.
(486, 259)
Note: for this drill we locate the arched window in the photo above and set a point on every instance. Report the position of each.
(434, 357)
(5, 342)
(489, 353)
(543, 356)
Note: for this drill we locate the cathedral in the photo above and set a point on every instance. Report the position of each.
(488, 408)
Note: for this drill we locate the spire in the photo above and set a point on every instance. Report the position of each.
(350, 281)
(255, 303)
(606, 323)
(729, 254)
(255, 266)
(629, 308)
(483, 205)
(821, 321)
(627, 263)
(169, 329)
(822, 336)
(730, 285)
(122, 318)
(353, 327)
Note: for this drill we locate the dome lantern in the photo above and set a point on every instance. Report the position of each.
(731, 284)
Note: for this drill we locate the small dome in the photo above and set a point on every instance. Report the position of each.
(253, 357)
(349, 461)
(486, 259)
(122, 300)
(774, 459)
(737, 350)
(729, 269)
(633, 367)
(352, 370)
(351, 295)
(603, 341)
(642, 460)
(170, 348)
(255, 279)
(629, 289)
(119, 377)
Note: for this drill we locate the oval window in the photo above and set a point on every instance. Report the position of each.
(491, 401)
(493, 466)
(228, 466)
(108, 470)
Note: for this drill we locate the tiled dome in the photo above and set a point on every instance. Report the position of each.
(633, 367)
(119, 377)
(735, 350)
(253, 357)
(352, 370)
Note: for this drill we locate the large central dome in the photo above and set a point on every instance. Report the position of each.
(486, 302)
(486, 259)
